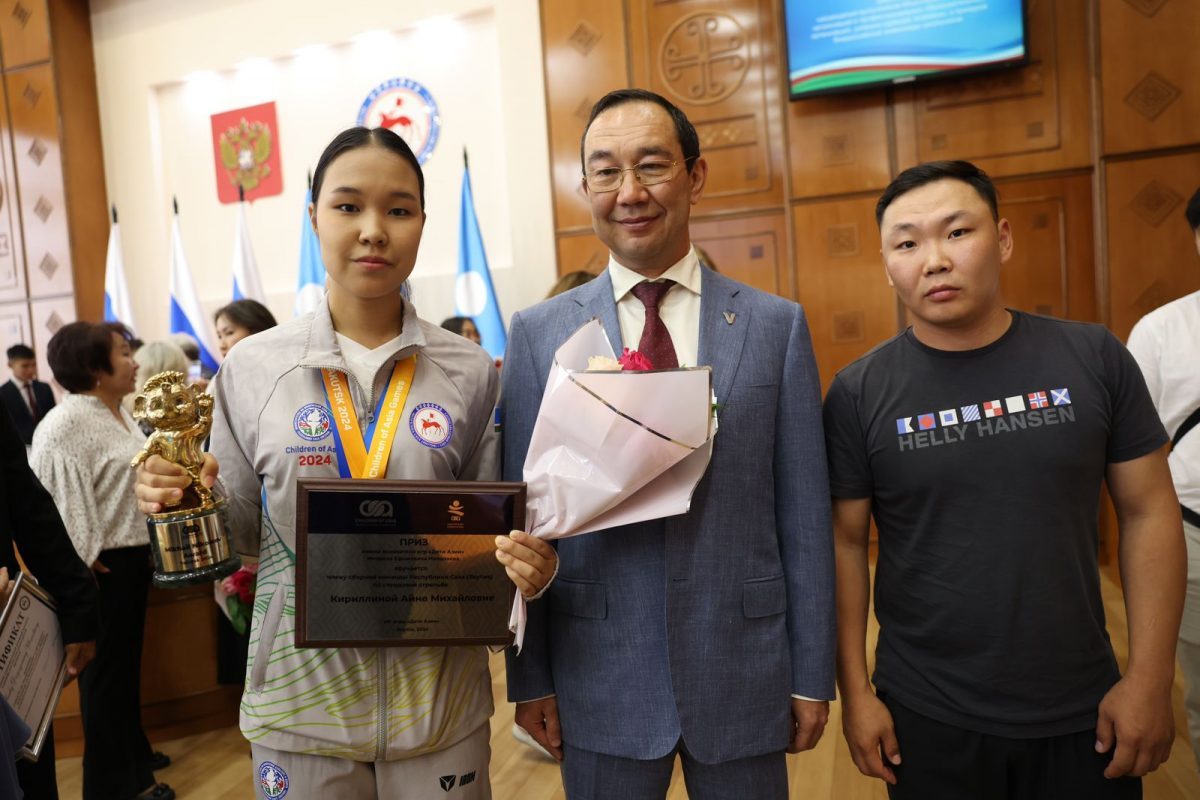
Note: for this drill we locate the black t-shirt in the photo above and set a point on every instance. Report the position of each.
(984, 470)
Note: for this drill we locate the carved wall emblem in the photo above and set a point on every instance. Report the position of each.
(837, 149)
(704, 58)
(734, 132)
(1147, 7)
(1155, 295)
(849, 326)
(48, 266)
(584, 109)
(54, 322)
(37, 151)
(1155, 202)
(842, 240)
(583, 38)
(43, 208)
(21, 14)
(1152, 95)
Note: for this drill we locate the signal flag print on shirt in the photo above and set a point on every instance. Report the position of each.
(1012, 404)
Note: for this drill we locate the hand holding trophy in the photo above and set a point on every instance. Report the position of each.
(190, 542)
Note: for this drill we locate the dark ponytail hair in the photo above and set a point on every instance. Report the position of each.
(354, 138)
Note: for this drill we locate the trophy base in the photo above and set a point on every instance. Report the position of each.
(213, 572)
(190, 547)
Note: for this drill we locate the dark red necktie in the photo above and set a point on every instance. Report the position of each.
(32, 402)
(656, 343)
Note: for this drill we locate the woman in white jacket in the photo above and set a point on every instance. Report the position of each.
(355, 722)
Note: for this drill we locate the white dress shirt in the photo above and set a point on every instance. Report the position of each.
(679, 309)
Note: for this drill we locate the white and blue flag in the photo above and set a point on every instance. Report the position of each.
(474, 294)
(117, 307)
(246, 283)
(186, 316)
(311, 286)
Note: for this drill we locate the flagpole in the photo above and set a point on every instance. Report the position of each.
(187, 314)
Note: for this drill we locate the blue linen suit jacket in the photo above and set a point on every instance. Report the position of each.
(703, 625)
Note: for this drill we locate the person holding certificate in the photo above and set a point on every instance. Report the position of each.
(309, 399)
(29, 520)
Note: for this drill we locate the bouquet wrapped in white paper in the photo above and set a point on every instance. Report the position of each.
(612, 446)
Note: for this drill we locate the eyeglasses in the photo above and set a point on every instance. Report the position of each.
(647, 173)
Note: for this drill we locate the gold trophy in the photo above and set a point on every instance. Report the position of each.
(190, 542)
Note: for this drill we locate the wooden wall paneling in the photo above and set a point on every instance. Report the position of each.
(840, 280)
(838, 144)
(583, 46)
(12, 266)
(1052, 270)
(24, 32)
(1149, 60)
(82, 156)
(38, 155)
(1030, 119)
(179, 621)
(580, 251)
(1151, 251)
(752, 250)
(722, 67)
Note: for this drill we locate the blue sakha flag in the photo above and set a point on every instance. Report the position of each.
(186, 315)
(117, 307)
(311, 286)
(246, 282)
(474, 294)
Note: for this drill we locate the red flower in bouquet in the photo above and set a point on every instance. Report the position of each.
(238, 589)
(633, 361)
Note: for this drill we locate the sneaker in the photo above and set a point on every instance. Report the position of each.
(522, 736)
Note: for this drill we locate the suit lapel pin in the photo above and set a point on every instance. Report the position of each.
(730, 317)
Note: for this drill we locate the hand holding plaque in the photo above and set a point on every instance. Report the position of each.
(190, 542)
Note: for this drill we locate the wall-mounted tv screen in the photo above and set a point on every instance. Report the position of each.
(838, 45)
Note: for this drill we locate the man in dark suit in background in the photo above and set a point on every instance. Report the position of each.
(26, 399)
(30, 521)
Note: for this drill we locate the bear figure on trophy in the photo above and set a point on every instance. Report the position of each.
(190, 542)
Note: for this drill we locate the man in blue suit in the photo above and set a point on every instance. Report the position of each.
(708, 636)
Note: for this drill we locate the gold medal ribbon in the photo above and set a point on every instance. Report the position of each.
(368, 459)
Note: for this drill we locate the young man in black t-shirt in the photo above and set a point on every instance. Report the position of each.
(979, 439)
